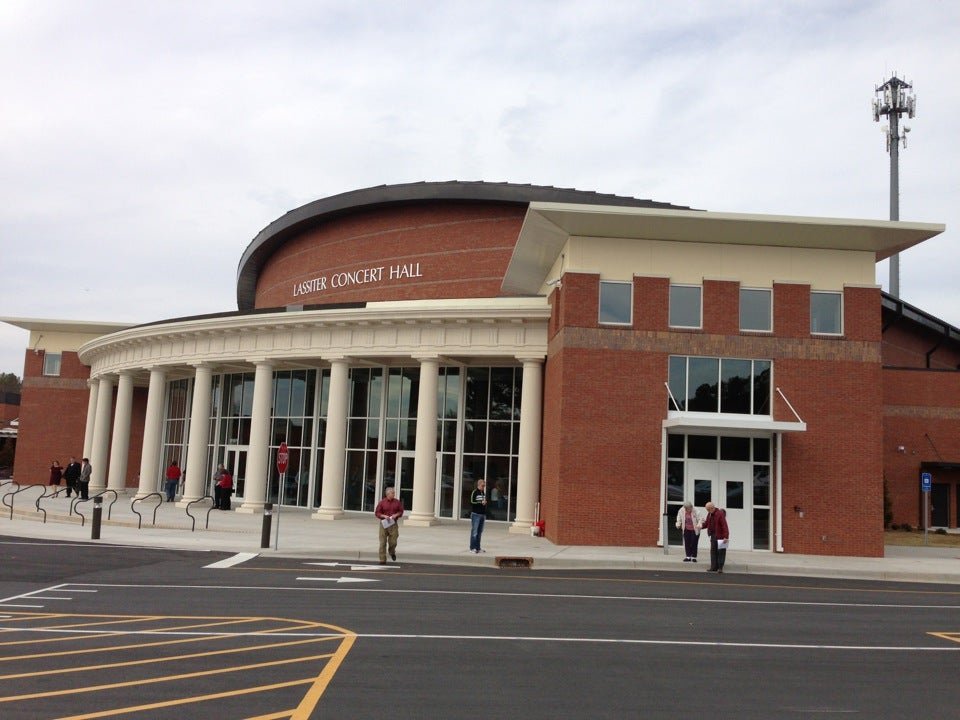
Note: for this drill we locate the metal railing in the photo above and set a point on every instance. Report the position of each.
(133, 502)
(83, 519)
(193, 520)
(20, 489)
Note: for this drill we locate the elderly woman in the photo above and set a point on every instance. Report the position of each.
(689, 521)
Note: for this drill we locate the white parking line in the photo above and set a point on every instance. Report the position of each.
(231, 561)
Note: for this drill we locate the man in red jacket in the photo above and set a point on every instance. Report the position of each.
(388, 511)
(718, 530)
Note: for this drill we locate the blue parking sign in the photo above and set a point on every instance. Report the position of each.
(925, 480)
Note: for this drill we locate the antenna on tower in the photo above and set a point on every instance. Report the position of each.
(894, 98)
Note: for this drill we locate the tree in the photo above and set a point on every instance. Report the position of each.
(9, 383)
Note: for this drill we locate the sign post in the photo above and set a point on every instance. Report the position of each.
(283, 458)
(926, 480)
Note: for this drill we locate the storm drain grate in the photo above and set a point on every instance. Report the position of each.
(514, 562)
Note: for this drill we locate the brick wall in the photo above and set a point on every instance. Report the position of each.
(461, 250)
(921, 414)
(605, 403)
(53, 416)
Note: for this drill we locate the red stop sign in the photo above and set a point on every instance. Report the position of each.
(283, 457)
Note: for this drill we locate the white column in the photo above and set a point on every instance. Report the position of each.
(528, 462)
(152, 433)
(120, 441)
(94, 386)
(196, 462)
(100, 444)
(425, 456)
(335, 442)
(258, 456)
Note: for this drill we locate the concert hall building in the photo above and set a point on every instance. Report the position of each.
(598, 359)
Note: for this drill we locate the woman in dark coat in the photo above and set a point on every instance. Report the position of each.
(56, 472)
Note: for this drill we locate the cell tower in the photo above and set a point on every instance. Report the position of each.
(894, 98)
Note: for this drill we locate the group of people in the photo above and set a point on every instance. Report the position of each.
(76, 475)
(222, 485)
(390, 509)
(691, 522)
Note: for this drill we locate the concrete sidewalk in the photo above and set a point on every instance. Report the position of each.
(354, 538)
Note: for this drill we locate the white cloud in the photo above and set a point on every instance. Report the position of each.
(143, 145)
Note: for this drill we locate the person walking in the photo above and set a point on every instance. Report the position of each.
(56, 473)
(690, 522)
(478, 514)
(173, 480)
(719, 533)
(83, 481)
(70, 475)
(388, 511)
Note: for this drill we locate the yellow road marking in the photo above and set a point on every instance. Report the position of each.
(313, 695)
(164, 678)
(112, 648)
(104, 666)
(951, 636)
(186, 701)
(272, 716)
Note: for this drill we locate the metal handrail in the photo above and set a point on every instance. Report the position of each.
(141, 499)
(20, 489)
(193, 520)
(83, 519)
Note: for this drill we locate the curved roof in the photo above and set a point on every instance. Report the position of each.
(295, 222)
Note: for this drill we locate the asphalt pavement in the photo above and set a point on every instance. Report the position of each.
(294, 533)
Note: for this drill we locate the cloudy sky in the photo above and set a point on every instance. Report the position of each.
(144, 144)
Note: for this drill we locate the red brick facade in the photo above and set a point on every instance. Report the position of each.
(53, 414)
(456, 250)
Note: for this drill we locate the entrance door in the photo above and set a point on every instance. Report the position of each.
(736, 497)
(700, 488)
(939, 505)
(729, 485)
(236, 463)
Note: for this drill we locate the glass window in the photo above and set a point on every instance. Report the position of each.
(734, 495)
(761, 485)
(761, 387)
(702, 447)
(761, 449)
(735, 386)
(51, 363)
(616, 303)
(704, 376)
(702, 492)
(685, 306)
(761, 529)
(826, 316)
(756, 309)
(677, 374)
(734, 448)
(675, 445)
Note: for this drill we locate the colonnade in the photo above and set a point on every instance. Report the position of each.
(103, 439)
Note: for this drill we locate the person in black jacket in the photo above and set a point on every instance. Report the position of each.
(71, 474)
(478, 514)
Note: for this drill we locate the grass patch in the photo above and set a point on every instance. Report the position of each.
(915, 538)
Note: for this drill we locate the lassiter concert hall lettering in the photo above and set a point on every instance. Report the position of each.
(357, 277)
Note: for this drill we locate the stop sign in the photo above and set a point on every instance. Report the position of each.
(283, 457)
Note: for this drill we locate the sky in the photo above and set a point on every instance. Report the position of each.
(144, 144)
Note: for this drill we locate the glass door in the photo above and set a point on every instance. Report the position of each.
(404, 479)
(236, 463)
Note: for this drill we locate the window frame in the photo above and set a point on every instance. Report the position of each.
(608, 283)
(679, 286)
(769, 294)
(837, 293)
(49, 371)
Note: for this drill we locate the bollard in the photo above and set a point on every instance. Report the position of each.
(97, 512)
(666, 534)
(267, 518)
